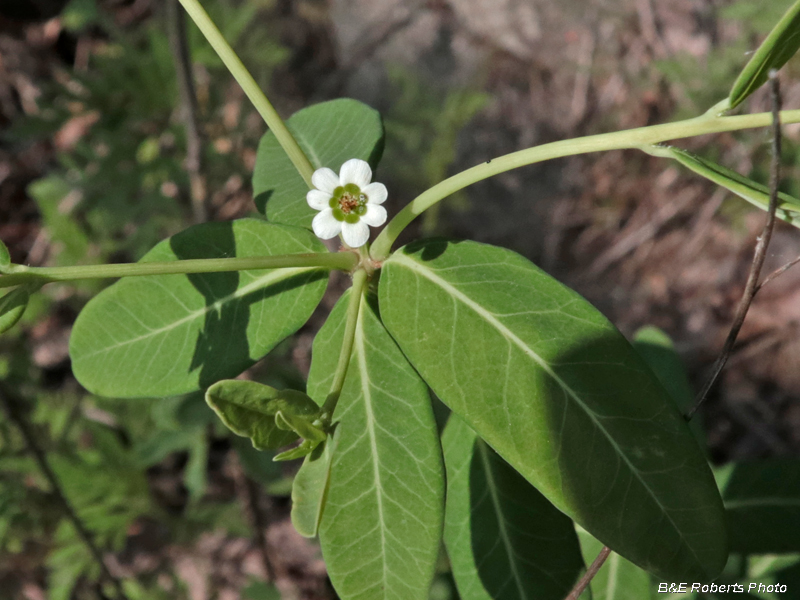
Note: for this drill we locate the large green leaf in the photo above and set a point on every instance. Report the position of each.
(756, 194)
(779, 46)
(504, 539)
(330, 133)
(559, 393)
(5, 257)
(762, 501)
(170, 334)
(617, 579)
(381, 527)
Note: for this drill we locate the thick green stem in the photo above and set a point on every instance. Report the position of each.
(711, 122)
(250, 87)
(356, 296)
(19, 274)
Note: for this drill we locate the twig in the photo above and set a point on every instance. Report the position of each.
(760, 253)
(777, 273)
(176, 21)
(13, 407)
(584, 581)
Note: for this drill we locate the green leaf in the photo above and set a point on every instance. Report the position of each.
(779, 46)
(249, 409)
(381, 529)
(762, 502)
(755, 193)
(329, 133)
(12, 307)
(171, 334)
(559, 393)
(504, 539)
(658, 351)
(617, 579)
(5, 257)
(311, 485)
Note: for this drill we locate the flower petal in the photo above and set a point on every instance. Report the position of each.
(318, 200)
(355, 234)
(375, 215)
(325, 226)
(325, 180)
(355, 171)
(376, 193)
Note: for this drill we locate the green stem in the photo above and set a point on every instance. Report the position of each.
(250, 87)
(710, 122)
(19, 274)
(356, 295)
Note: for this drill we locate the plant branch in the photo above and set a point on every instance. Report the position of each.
(710, 122)
(16, 414)
(20, 274)
(179, 46)
(759, 255)
(356, 296)
(584, 581)
(250, 88)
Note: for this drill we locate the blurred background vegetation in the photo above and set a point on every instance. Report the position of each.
(93, 168)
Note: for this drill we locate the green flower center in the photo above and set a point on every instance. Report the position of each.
(349, 203)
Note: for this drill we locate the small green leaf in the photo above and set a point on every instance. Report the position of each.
(311, 485)
(381, 530)
(617, 579)
(301, 424)
(755, 193)
(12, 307)
(779, 46)
(5, 257)
(762, 502)
(249, 409)
(330, 133)
(171, 334)
(504, 539)
(558, 392)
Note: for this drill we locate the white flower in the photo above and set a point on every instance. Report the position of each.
(348, 202)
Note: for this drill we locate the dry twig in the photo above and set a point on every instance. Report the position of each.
(760, 254)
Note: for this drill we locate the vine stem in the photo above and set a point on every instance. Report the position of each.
(710, 122)
(250, 88)
(16, 415)
(759, 254)
(353, 307)
(20, 274)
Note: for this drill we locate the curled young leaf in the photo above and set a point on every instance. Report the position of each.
(779, 46)
(12, 307)
(310, 488)
(249, 409)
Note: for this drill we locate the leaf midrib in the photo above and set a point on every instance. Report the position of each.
(273, 276)
(365, 390)
(509, 335)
